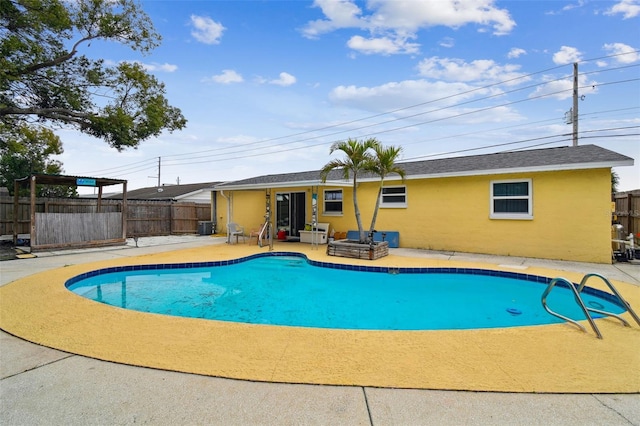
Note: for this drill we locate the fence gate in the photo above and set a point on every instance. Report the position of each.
(185, 217)
(627, 211)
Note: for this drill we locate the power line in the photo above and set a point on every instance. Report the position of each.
(257, 154)
(489, 146)
(610, 69)
(244, 155)
(125, 167)
(531, 140)
(613, 55)
(476, 111)
(241, 149)
(384, 113)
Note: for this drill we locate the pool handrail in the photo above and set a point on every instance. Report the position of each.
(578, 299)
(577, 290)
(621, 299)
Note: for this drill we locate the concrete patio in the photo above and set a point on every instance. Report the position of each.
(44, 386)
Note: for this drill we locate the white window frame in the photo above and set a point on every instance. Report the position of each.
(324, 203)
(393, 204)
(512, 216)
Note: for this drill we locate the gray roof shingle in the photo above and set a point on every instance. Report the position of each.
(561, 158)
(169, 192)
(584, 156)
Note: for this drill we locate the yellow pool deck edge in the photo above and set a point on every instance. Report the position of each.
(541, 359)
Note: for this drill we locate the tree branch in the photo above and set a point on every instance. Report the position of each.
(60, 59)
(60, 114)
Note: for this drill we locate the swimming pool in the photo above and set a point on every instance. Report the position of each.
(289, 290)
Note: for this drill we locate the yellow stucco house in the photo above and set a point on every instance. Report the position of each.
(552, 203)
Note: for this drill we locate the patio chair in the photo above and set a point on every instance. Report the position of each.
(237, 231)
(256, 233)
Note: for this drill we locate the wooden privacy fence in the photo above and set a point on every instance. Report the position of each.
(58, 230)
(144, 217)
(149, 218)
(627, 211)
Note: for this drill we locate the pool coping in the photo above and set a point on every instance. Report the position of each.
(556, 359)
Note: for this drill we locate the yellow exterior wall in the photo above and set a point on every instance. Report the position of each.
(248, 209)
(571, 215)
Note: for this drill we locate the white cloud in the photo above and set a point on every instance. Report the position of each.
(566, 8)
(433, 101)
(285, 79)
(339, 14)
(562, 89)
(447, 42)
(391, 22)
(625, 53)
(394, 95)
(160, 67)
(567, 55)
(410, 15)
(237, 139)
(516, 52)
(628, 9)
(227, 77)
(481, 70)
(206, 30)
(579, 4)
(381, 45)
(166, 67)
(559, 89)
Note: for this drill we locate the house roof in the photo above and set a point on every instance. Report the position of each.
(535, 160)
(166, 192)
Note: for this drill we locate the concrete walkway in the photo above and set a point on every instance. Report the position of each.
(39, 385)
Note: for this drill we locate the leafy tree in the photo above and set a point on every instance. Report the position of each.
(27, 150)
(44, 78)
(358, 158)
(384, 164)
(615, 181)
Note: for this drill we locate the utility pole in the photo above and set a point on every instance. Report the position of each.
(574, 111)
(159, 160)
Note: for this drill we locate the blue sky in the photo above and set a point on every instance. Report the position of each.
(268, 86)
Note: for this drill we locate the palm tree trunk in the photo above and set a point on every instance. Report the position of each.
(361, 234)
(375, 214)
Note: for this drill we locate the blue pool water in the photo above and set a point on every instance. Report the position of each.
(289, 290)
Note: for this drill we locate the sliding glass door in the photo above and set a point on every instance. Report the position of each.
(290, 212)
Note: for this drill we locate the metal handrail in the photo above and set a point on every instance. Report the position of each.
(576, 293)
(264, 228)
(617, 294)
(579, 301)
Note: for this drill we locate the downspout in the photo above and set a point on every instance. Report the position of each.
(228, 214)
(214, 206)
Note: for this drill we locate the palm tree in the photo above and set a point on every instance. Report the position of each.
(384, 164)
(358, 158)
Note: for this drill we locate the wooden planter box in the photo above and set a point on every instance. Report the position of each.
(353, 249)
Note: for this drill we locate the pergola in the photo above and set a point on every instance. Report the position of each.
(45, 179)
